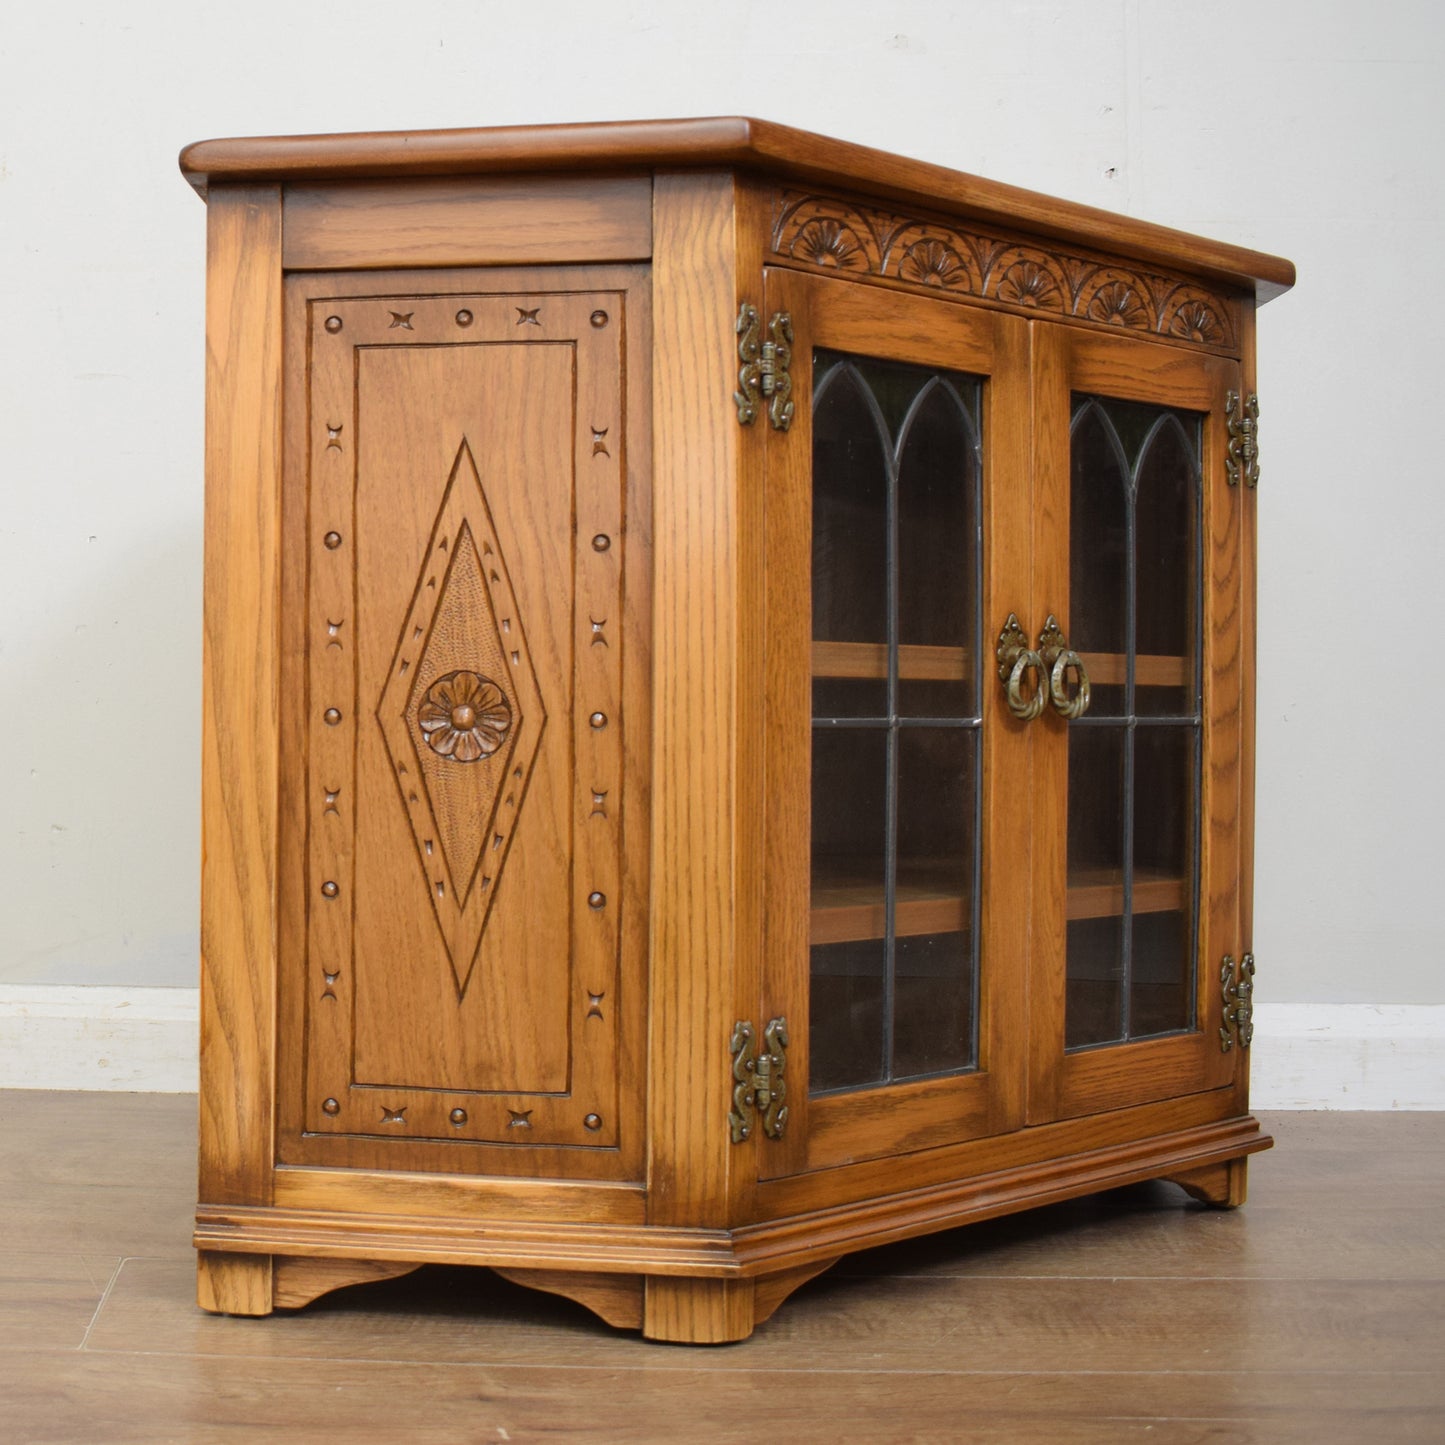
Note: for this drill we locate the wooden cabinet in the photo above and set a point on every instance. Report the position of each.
(728, 728)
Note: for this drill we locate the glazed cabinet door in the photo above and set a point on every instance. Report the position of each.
(898, 824)
(466, 712)
(1137, 797)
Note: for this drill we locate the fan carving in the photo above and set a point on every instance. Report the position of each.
(462, 715)
(830, 232)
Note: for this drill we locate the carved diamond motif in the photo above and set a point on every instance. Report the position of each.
(462, 715)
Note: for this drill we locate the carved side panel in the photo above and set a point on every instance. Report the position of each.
(830, 233)
(464, 662)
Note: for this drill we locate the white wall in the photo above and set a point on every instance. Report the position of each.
(1316, 130)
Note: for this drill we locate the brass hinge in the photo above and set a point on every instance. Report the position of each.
(758, 1083)
(764, 370)
(1242, 459)
(1236, 990)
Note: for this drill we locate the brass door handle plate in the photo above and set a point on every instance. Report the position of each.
(1015, 658)
(1058, 657)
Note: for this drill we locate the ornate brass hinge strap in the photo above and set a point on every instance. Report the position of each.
(758, 1080)
(764, 369)
(1236, 989)
(1244, 1004)
(1242, 460)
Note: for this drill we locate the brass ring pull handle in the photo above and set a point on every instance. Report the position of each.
(1058, 657)
(1015, 658)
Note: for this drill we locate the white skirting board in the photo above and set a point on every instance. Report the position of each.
(1348, 1056)
(136, 1039)
(1305, 1056)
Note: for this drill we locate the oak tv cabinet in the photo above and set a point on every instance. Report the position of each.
(728, 729)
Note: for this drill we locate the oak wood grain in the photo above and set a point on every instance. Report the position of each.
(956, 1165)
(234, 1284)
(483, 221)
(615, 1298)
(870, 659)
(1249, 679)
(696, 699)
(698, 1311)
(456, 1196)
(240, 703)
(296, 1281)
(1223, 1185)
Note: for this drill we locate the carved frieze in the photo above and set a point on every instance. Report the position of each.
(830, 233)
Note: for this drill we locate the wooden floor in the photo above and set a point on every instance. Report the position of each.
(1315, 1314)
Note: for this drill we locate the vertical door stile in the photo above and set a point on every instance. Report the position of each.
(1226, 647)
(1011, 839)
(1048, 757)
(787, 684)
(1248, 648)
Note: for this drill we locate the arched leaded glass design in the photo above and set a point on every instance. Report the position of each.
(897, 572)
(1134, 759)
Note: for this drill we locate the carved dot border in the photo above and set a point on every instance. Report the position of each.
(831, 234)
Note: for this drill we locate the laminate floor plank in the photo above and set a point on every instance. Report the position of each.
(1155, 1230)
(73, 1218)
(153, 1399)
(47, 1301)
(1314, 1315)
(96, 1172)
(879, 1322)
(140, 1140)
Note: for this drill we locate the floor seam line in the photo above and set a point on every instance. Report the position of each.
(100, 1305)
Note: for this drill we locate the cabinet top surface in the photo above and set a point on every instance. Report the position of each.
(727, 142)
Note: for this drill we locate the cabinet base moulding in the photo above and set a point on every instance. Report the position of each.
(678, 1284)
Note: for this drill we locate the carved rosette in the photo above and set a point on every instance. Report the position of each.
(829, 233)
(464, 716)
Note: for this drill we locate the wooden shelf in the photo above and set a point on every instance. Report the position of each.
(951, 664)
(1106, 669)
(848, 904)
(1099, 893)
(870, 660)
